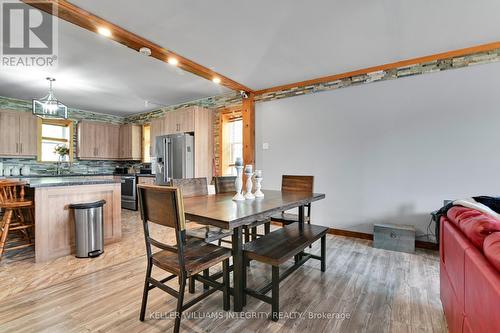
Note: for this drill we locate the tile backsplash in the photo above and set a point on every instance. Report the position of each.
(76, 167)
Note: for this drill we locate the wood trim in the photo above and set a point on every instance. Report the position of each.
(426, 245)
(363, 235)
(84, 19)
(385, 67)
(348, 233)
(224, 118)
(248, 115)
(60, 122)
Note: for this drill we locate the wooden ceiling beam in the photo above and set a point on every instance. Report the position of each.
(84, 19)
(403, 63)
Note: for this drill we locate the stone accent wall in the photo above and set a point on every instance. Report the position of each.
(396, 73)
(216, 124)
(73, 114)
(217, 103)
(213, 102)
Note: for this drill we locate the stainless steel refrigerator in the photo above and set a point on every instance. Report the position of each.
(174, 157)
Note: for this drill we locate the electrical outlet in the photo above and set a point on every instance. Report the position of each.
(265, 146)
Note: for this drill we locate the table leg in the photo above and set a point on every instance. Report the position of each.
(237, 245)
(301, 227)
(301, 217)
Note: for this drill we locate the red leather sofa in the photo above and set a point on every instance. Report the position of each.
(470, 270)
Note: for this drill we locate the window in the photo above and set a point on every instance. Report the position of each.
(146, 143)
(232, 141)
(54, 134)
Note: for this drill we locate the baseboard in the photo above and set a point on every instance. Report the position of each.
(363, 235)
(348, 233)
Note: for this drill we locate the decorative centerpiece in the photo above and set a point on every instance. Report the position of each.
(249, 174)
(62, 151)
(258, 179)
(238, 183)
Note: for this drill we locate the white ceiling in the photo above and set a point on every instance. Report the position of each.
(259, 43)
(97, 74)
(263, 43)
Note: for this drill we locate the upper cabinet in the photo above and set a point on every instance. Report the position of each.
(195, 120)
(18, 134)
(131, 142)
(105, 141)
(157, 127)
(98, 141)
(180, 121)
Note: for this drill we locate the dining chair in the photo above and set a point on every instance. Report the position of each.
(226, 184)
(18, 216)
(193, 187)
(291, 183)
(164, 206)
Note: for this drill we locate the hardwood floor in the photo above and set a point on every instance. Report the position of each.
(363, 290)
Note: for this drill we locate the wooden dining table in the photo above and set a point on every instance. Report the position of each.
(221, 211)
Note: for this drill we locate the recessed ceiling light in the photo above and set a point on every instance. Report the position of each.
(216, 80)
(104, 31)
(173, 61)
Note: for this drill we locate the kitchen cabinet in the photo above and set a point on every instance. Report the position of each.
(196, 120)
(130, 142)
(87, 140)
(111, 146)
(179, 121)
(18, 134)
(157, 127)
(28, 137)
(98, 141)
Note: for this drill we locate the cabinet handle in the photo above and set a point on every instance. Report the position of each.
(17, 147)
(21, 149)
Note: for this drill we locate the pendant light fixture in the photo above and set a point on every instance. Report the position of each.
(49, 106)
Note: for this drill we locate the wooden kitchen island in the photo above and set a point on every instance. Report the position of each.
(54, 221)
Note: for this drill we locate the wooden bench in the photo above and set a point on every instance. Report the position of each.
(277, 248)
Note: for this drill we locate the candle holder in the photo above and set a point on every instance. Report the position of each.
(248, 194)
(238, 183)
(258, 193)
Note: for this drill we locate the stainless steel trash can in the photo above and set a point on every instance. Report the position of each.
(89, 238)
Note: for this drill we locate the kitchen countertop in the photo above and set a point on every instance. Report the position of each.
(35, 182)
(63, 176)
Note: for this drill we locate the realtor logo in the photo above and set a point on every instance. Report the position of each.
(28, 35)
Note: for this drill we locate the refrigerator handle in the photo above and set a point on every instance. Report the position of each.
(168, 164)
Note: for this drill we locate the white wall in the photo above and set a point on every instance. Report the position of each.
(388, 151)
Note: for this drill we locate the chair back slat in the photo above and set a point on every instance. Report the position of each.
(291, 183)
(162, 205)
(225, 184)
(11, 190)
(192, 187)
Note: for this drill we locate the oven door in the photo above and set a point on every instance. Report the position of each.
(129, 193)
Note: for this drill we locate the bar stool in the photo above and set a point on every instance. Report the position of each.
(14, 206)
